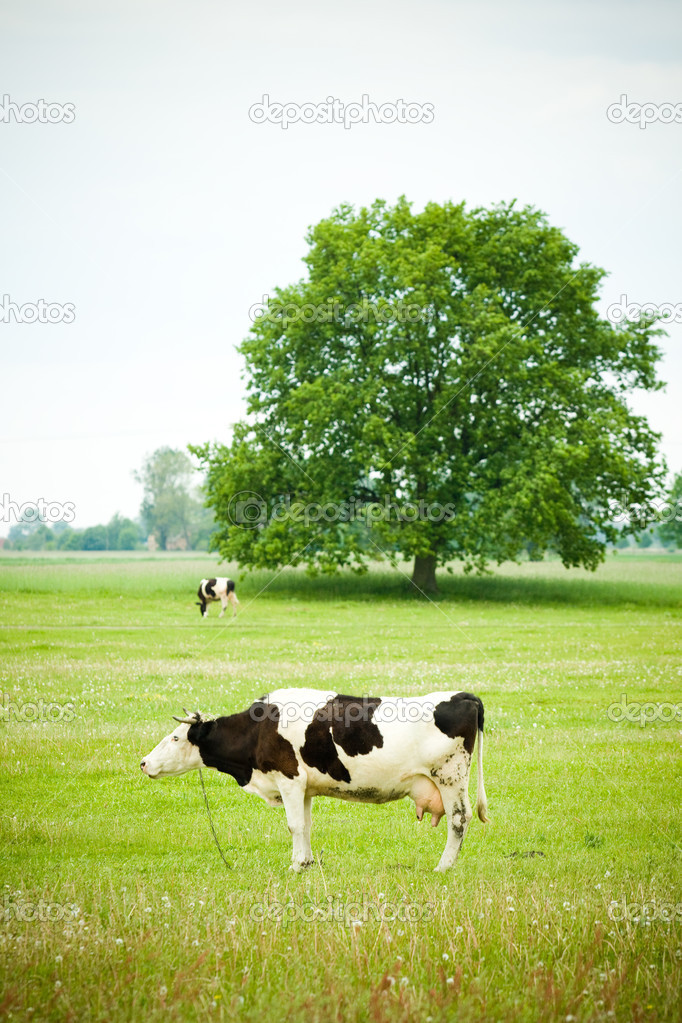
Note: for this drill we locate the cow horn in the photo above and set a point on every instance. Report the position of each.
(192, 718)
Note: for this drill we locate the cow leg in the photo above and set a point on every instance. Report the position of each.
(223, 602)
(298, 810)
(458, 814)
(308, 820)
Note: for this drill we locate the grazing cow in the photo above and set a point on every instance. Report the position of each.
(216, 589)
(298, 743)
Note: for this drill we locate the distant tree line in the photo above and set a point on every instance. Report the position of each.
(172, 513)
(120, 534)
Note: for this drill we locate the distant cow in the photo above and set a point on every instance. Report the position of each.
(217, 589)
(298, 743)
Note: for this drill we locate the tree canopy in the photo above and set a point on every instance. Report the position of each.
(449, 370)
(670, 530)
(172, 507)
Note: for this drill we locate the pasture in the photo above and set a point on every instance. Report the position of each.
(116, 905)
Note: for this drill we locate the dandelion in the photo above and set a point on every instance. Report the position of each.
(163, 990)
(445, 956)
(450, 981)
(58, 959)
(119, 941)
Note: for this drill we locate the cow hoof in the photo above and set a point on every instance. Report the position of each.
(298, 868)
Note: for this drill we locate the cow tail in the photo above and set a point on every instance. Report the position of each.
(481, 801)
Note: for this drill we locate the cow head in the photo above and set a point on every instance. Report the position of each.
(202, 607)
(175, 754)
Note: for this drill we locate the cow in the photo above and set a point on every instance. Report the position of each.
(216, 589)
(293, 744)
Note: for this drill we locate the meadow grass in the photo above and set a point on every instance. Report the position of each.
(116, 905)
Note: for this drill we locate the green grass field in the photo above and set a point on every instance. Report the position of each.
(116, 905)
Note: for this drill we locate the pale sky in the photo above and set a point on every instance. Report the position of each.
(162, 213)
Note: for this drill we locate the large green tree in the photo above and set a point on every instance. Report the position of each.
(451, 362)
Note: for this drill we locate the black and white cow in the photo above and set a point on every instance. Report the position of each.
(298, 743)
(217, 589)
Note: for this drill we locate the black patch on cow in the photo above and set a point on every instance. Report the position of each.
(240, 744)
(319, 751)
(229, 587)
(460, 717)
(344, 721)
(368, 794)
(209, 587)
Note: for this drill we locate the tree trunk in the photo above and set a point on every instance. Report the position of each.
(424, 573)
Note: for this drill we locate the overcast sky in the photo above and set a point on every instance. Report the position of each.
(161, 213)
